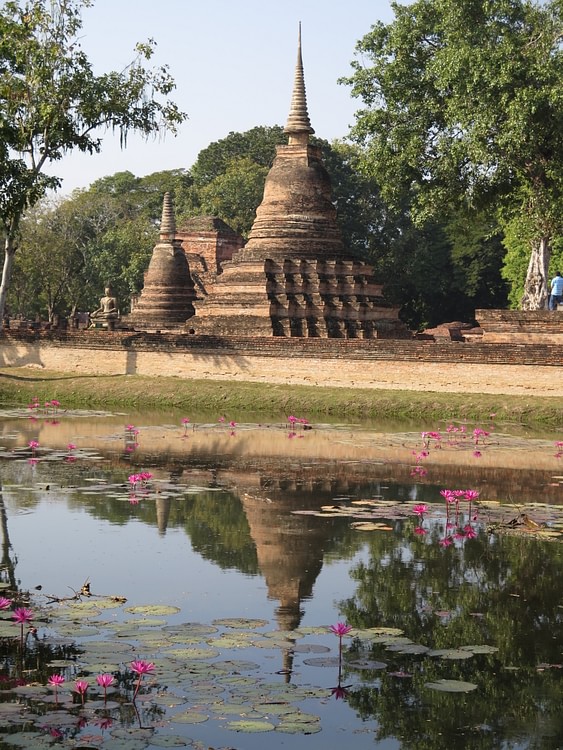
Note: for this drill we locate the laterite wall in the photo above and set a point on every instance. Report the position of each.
(476, 367)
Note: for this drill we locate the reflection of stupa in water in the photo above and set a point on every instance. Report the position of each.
(163, 505)
(290, 552)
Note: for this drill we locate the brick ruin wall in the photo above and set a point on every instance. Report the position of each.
(448, 366)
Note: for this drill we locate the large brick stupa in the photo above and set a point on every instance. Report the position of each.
(294, 277)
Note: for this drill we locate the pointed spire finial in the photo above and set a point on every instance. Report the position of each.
(298, 125)
(168, 221)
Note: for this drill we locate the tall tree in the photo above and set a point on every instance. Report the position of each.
(463, 108)
(51, 102)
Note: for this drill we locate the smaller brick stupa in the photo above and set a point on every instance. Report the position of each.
(166, 300)
(294, 277)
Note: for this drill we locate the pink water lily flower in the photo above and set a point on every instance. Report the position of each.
(420, 509)
(341, 629)
(105, 680)
(81, 688)
(22, 615)
(471, 494)
(142, 667)
(55, 681)
(448, 495)
(5, 603)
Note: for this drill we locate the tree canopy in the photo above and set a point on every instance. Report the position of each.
(463, 111)
(52, 102)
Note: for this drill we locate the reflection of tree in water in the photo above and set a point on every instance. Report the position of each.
(8, 564)
(19, 666)
(218, 530)
(502, 591)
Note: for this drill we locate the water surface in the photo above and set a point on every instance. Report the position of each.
(234, 532)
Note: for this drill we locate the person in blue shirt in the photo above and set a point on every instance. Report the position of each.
(556, 296)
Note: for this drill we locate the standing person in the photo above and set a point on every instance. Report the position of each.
(556, 296)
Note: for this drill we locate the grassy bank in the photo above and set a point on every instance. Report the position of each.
(19, 386)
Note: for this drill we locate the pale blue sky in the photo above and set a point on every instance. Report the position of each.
(233, 62)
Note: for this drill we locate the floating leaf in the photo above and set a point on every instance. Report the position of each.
(408, 648)
(309, 648)
(451, 686)
(169, 740)
(483, 649)
(371, 526)
(153, 609)
(298, 728)
(236, 665)
(189, 717)
(372, 632)
(450, 653)
(145, 622)
(249, 725)
(240, 622)
(322, 661)
(193, 653)
(36, 740)
(190, 629)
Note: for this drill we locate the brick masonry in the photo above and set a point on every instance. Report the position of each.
(447, 366)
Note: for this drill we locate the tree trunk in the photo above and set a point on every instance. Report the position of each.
(536, 294)
(9, 252)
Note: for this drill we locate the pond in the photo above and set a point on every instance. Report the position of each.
(171, 584)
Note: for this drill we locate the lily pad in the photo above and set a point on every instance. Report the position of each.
(310, 648)
(298, 728)
(451, 686)
(189, 717)
(408, 648)
(322, 661)
(193, 653)
(36, 740)
(371, 526)
(153, 609)
(450, 653)
(250, 725)
(240, 622)
(483, 649)
(169, 740)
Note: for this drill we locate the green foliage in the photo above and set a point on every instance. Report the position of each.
(258, 144)
(97, 237)
(51, 102)
(235, 194)
(463, 108)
